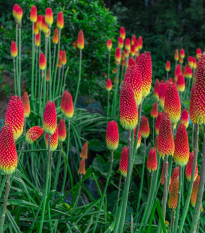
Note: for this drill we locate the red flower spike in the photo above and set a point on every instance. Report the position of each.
(185, 118)
(131, 62)
(112, 136)
(127, 44)
(171, 80)
(139, 137)
(145, 70)
(180, 60)
(118, 55)
(128, 108)
(33, 14)
(136, 47)
(124, 161)
(80, 41)
(133, 39)
(33, 134)
(152, 160)
(194, 62)
(127, 53)
(175, 175)
(154, 112)
(122, 33)
(199, 92)
(133, 78)
(161, 91)
(44, 25)
(26, 104)
(47, 76)
(15, 7)
(50, 118)
(132, 50)
(198, 53)
(156, 141)
(173, 196)
(156, 86)
(167, 66)
(84, 151)
(42, 61)
(55, 36)
(190, 61)
(157, 123)
(60, 20)
(35, 29)
(140, 42)
(180, 83)
(37, 40)
(109, 84)
(61, 130)
(8, 154)
(81, 169)
(176, 55)
(195, 192)
(188, 72)
(120, 42)
(109, 44)
(191, 107)
(162, 174)
(181, 152)
(18, 14)
(67, 105)
(14, 50)
(189, 167)
(63, 59)
(39, 22)
(172, 104)
(166, 141)
(49, 16)
(145, 130)
(54, 140)
(15, 116)
(178, 71)
(182, 53)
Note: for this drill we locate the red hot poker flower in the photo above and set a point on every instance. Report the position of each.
(173, 196)
(122, 33)
(154, 112)
(194, 62)
(157, 123)
(167, 66)
(133, 39)
(33, 14)
(118, 55)
(180, 83)
(49, 16)
(60, 20)
(127, 44)
(109, 44)
(37, 40)
(191, 107)
(161, 91)
(131, 62)
(109, 84)
(156, 86)
(50, 118)
(84, 152)
(26, 104)
(39, 22)
(33, 134)
(80, 41)
(35, 29)
(55, 36)
(45, 28)
(145, 130)
(195, 192)
(120, 42)
(152, 160)
(198, 53)
(14, 50)
(54, 140)
(81, 169)
(190, 61)
(124, 162)
(42, 61)
(182, 53)
(185, 118)
(67, 105)
(112, 136)
(178, 71)
(61, 130)
(189, 167)
(176, 55)
(175, 175)
(140, 42)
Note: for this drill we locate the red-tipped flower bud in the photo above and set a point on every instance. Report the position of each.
(118, 55)
(109, 44)
(26, 104)
(33, 134)
(80, 41)
(14, 50)
(180, 83)
(124, 162)
(81, 169)
(120, 42)
(145, 130)
(67, 105)
(60, 20)
(152, 160)
(158, 123)
(84, 151)
(109, 84)
(176, 55)
(54, 140)
(122, 33)
(127, 44)
(112, 136)
(50, 118)
(33, 14)
(55, 36)
(39, 22)
(45, 28)
(156, 86)
(61, 130)
(182, 53)
(185, 118)
(42, 61)
(167, 66)
(154, 112)
(49, 16)
(189, 167)
(37, 40)
(140, 42)
(198, 53)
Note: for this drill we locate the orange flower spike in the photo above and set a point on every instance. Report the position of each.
(133, 78)
(109, 84)
(195, 192)
(161, 91)
(33, 14)
(117, 55)
(140, 42)
(177, 72)
(190, 61)
(37, 40)
(39, 22)
(199, 92)
(63, 59)
(8, 154)
(15, 116)
(173, 196)
(54, 140)
(109, 44)
(188, 72)
(26, 104)
(124, 161)
(172, 104)
(67, 105)
(127, 44)
(152, 160)
(145, 129)
(120, 42)
(33, 134)
(44, 25)
(131, 62)
(139, 138)
(194, 62)
(166, 141)
(185, 118)
(198, 53)
(182, 53)
(189, 167)
(167, 66)
(122, 33)
(47, 76)
(128, 108)
(157, 123)
(60, 20)
(42, 61)
(15, 7)
(132, 52)
(61, 130)
(181, 60)
(19, 15)
(156, 86)
(156, 141)
(84, 152)
(154, 112)
(176, 55)
(136, 47)
(112, 136)
(50, 118)
(181, 152)
(133, 39)
(80, 41)
(81, 169)
(162, 174)
(145, 70)
(175, 175)
(180, 83)
(35, 29)
(49, 17)
(14, 50)
(191, 107)
(55, 36)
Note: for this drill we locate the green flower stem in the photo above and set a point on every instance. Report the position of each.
(36, 75)
(108, 73)
(179, 200)
(45, 71)
(5, 204)
(46, 186)
(57, 175)
(167, 75)
(142, 176)
(32, 69)
(192, 137)
(78, 195)
(50, 71)
(172, 221)
(17, 67)
(3, 182)
(15, 78)
(79, 78)
(41, 84)
(56, 66)
(19, 76)
(186, 206)
(196, 216)
(108, 104)
(150, 184)
(39, 77)
(118, 194)
(164, 204)
(153, 129)
(121, 78)
(114, 103)
(54, 58)
(104, 192)
(62, 80)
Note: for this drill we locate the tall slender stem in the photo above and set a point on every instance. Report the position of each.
(150, 184)
(108, 65)
(58, 85)
(50, 71)
(17, 68)
(195, 218)
(192, 138)
(165, 187)
(36, 75)
(79, 190)
(32, 69)
(54, 57)
(108, 104)
(153, 130)
(15, 78)
(172, 220)
(19, 77)
(40, 102)
(79, 78)
(104, 192)
(186, 206)
(114, 104)
(118, 194)
(45, 71)
(5, 204)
